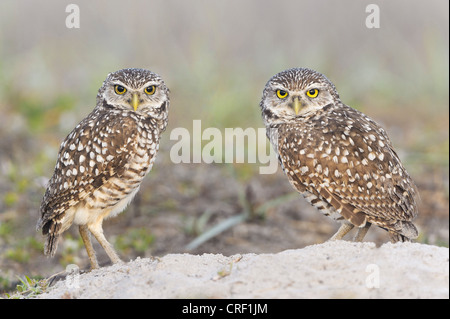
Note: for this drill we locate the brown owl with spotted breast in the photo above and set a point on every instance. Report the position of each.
(103, 161)
(338, 158)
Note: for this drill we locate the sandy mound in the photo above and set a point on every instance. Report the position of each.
(331, 270)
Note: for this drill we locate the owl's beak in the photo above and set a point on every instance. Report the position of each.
(135, 101)
(297, 105)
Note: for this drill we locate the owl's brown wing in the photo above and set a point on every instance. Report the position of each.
(97, 149)
(382, 188)
(351, 165)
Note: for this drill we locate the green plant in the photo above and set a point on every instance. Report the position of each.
(29, 288)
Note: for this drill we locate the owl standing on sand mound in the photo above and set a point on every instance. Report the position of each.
(103, 161)
(339, 159)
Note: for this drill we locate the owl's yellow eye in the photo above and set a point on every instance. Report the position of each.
(150, 89)
(282, 94)
(312, 93)
(119, 89)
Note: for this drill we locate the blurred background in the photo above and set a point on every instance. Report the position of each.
(215, 56)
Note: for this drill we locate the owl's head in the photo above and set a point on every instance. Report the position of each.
(295, 93)
(139, 90)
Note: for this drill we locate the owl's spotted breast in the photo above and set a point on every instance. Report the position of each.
(335, 156)
(104, 145)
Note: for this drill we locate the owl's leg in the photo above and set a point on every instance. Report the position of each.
(84, 232)
(342, 231)
(362, 232)
(97, 231)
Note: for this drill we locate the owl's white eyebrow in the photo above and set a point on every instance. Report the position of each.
(119, 83)
(279, 87)
(150, 83)
(143, 86)
(315, 86)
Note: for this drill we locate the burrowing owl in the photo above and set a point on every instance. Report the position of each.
(103, 161)
(339, 159)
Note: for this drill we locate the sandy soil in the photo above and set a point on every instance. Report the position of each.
(331, 270)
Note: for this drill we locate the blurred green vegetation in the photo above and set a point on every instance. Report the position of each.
(136, 240)
(40, 116)
(22, 250)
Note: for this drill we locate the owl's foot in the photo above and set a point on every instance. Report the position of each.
(342, 231)
(362, 232)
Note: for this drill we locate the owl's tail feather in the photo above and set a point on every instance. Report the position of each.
(51, 245)
(51, 229)
(405, 231)
(396, 237)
